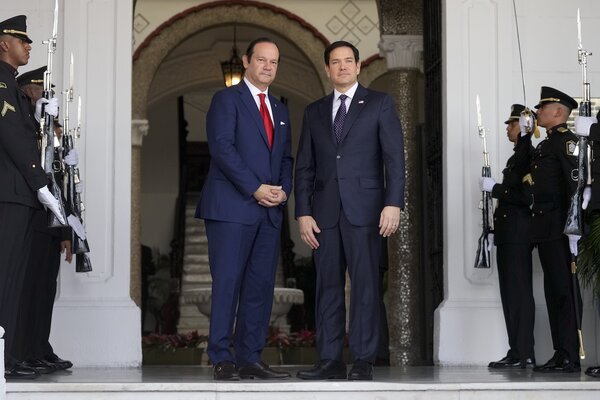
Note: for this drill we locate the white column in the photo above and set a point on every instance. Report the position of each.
(95, 322)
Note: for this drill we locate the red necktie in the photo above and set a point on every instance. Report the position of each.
(266, 117)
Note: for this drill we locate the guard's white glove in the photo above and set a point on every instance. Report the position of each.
(526, 124)
(50, 202)
(486, 184)
(51, 107)
(490, 241)
(79, 187)
(76, 225)
(72, 158)
(573, 239)
(583, 124)
(587, 196)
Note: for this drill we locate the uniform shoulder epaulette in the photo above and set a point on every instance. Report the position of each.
(562, 129)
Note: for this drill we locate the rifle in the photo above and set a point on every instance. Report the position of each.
(483, 258)
(47, 131)
(80, 245)
(79, 239)
(574, 224)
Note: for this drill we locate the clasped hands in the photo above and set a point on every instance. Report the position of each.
(269, 195)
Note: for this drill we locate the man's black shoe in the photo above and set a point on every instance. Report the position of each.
(512, 362)
(261, 370)
(593, 371)
(225, 371)
(19, 371)
(58, 362)
(40, 366)
(361, 371)
(324, 369)
(558, 363)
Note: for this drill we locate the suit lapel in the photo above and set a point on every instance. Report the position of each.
(250, 104)
(356, 106)
(326, 110)
(277, 131)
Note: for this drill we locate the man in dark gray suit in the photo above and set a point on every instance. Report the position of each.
(345, 204)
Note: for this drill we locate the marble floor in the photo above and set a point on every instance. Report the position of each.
(191, 383)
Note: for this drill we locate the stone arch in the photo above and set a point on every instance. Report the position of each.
(156, 47)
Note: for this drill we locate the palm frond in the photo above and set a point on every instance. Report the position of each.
(588, 260)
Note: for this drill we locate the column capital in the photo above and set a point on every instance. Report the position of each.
(402, 51)
(139, 129)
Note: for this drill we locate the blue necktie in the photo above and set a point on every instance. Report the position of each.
(340, 117)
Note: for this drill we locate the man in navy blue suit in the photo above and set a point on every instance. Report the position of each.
(249, 180)
(345, 205)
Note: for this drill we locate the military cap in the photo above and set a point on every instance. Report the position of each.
(33, 77)
(551, 95)
(515, 113)
(15, 26)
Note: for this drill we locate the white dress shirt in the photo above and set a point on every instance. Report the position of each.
(336, 103)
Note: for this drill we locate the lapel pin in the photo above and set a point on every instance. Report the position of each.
(361, 101)
(281, 123)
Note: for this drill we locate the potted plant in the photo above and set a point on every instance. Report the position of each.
(174, 349)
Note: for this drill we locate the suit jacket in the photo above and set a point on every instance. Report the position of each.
(350, 174)
(512, 217)
(21, 174)
(240, 157)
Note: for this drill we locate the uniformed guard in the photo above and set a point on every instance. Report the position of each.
(39, 289)
(589, 127)
(552, 181)
(512, 226)
(23, 184)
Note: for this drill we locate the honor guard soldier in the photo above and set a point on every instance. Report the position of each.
(589, 127)
(512, 228)
(39, 289)
(552, 181)
(23, 183)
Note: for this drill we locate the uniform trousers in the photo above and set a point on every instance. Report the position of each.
(358, 250)
(558, 291)
(39, 291)
(516, 293)
(15, 244)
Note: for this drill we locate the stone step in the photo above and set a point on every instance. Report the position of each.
(191, 286)
(196, 278)
(196, 247)
(195, 258)
(194, 230)
(199, 269)
(190, 211)
(192, 237)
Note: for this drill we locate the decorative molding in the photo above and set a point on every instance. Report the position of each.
(139, 129)
(402, 51)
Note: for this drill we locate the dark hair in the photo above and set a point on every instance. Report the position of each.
(335, 45)
(250, 49)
